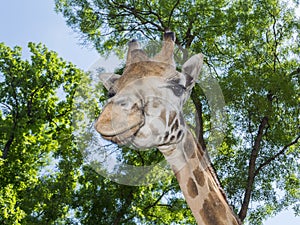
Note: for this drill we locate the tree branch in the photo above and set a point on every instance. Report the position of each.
(9, 141)
(133, 11)
(276, 43)
(251, 169)
(172, 11)
(6, 106)
(199, 119)
(7, 145)
(282, 151)
(297, 71)
(157, 200)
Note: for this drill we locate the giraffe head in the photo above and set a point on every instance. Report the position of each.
(145, 104)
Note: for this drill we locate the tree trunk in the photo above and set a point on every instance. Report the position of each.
(251, 170)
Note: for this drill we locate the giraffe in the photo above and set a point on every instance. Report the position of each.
(145, 110)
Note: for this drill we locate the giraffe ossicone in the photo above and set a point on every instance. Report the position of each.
(145, 109)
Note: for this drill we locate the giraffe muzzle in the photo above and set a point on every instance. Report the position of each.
(116, 125)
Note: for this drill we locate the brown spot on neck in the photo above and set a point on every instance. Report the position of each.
(213, 211)
(199, 176)
(192, 188)
(189, 146)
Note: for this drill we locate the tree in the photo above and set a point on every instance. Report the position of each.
(39, 163)
(252, 48)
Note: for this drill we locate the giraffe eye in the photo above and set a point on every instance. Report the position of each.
(177, 89)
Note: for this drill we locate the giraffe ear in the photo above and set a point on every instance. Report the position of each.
(108, 79)
(191, 70)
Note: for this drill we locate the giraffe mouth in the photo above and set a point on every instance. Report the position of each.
(112, 125)
(124, 137)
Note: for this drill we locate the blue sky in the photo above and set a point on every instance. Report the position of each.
(35, 21)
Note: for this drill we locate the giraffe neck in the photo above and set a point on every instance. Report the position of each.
(198, 183)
